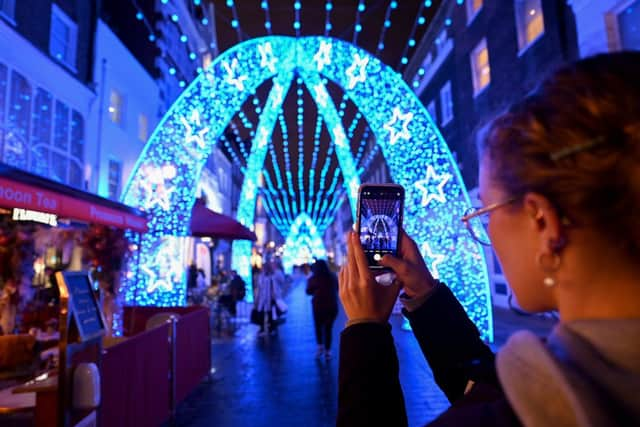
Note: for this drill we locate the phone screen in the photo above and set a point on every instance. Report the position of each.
(379, 220)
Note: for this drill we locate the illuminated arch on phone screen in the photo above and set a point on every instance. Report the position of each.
(163, 182)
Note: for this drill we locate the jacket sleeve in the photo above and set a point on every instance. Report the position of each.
(369, 388)
(451, 344)
(311, 285)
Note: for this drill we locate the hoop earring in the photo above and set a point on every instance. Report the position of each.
(549, 263)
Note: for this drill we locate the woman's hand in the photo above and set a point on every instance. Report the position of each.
(410, 269)
(363, 298)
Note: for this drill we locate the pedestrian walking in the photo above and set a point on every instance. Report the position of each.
(268, 291)
(323, 285)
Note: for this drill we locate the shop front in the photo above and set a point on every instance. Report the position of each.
(46, 227)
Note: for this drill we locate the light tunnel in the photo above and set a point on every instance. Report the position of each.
(164, 180)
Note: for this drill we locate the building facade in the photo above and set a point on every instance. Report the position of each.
(46, 93)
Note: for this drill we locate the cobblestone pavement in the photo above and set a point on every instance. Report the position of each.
(277, 381)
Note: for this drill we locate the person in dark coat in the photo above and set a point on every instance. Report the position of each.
(560, 184)
(323, 285)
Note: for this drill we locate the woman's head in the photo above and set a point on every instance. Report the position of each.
(320, 268)
(575, 143)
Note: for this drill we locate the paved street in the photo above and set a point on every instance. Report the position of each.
(276, 381)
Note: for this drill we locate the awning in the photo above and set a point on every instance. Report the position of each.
(20, 189)
(207, 223)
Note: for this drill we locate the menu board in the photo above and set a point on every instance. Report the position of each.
(83, 305)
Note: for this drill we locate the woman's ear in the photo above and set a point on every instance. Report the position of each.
(546, 222)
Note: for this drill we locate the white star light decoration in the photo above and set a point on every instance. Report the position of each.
(390, 126)
(263, 137)
(198, 137)
(267, 59)
(436, 259)
(357, 71)
(323, 55)
(354, 185)
(339, 137)
(432, 181)
(277, 94)
(157, 192)
(232, 77)
(321, 94)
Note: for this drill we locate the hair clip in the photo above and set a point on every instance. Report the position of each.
(567, 151)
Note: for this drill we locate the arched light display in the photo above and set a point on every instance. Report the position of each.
(163, 182)
(303, 244)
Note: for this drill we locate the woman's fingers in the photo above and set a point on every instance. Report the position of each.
(360, 258)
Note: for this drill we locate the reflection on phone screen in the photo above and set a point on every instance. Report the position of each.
(379, 222)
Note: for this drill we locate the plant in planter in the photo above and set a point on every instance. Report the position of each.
(106, 250)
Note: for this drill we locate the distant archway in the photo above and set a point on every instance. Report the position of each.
(164, 180)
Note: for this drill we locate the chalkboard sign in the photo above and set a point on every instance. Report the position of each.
(83, 305)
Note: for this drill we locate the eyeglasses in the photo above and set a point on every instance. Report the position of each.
(476, 220)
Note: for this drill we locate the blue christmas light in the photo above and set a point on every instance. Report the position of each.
(164, 181)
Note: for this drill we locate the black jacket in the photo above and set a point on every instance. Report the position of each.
(369, 389)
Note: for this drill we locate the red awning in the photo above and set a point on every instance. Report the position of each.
(19, 189)
(207, 223)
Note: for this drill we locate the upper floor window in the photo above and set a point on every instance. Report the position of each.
(480, 68)
(529, 21)
(446, 103)
(39, 133)
(8, 8)
(63, 37)
(116, 107)
(143, 127)
(473, 7)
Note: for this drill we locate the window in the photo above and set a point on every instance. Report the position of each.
(8, 8)
(63, 37)
(480, 67)
(115, 176)
(629, 26)
(143, 127)
(473, 7)
(446, 103)
(529, 21)
(116, 107)
(431, 108)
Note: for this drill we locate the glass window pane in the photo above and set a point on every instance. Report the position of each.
(17, 134)
(41, 135)
(115, 176)
(77, 136)
(75, 175)
(59, 167)
(61, 132)
(529, 21)
(3, 90)
(629, 27)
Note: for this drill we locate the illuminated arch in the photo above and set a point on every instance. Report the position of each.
(163, 181)
(304, 234)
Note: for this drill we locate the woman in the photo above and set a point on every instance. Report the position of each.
(560, 182)
(323, 285)
(270, 281)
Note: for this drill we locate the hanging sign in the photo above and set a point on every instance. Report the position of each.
(35, 216)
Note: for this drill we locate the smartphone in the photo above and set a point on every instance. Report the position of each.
(379, 220)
